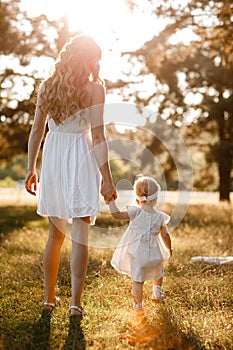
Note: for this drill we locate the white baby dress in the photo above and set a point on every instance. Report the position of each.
(70, 178)
(140, 252)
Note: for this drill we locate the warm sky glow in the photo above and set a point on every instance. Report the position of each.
(113, 26)
(105, 20)
(109, 22)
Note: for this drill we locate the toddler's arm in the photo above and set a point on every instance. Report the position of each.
(116, 213)
(166, 238)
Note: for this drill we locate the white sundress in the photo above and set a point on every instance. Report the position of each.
(69, 178)
(140, 252)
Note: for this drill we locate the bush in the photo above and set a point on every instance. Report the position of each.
(7, 182)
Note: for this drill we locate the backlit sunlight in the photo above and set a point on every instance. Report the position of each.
(115, 28)
(111, 23)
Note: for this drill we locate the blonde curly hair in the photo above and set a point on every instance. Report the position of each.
(65, 90)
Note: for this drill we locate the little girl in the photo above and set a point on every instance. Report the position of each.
(146, 244)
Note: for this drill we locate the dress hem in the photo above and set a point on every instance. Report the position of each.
(92, 216)
(136, 279)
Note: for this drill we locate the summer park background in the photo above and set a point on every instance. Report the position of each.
(168, 70)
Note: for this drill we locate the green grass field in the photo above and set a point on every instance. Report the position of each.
(198, 313)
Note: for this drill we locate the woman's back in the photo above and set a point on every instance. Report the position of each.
(77, 123)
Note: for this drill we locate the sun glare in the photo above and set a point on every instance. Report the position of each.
(110, 23)
(97, 17)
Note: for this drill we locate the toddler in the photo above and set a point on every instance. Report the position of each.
(146, 243)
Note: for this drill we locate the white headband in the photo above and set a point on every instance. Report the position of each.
(148, 198)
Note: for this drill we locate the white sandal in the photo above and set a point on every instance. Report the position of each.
(50, 306)
(157, 295)
(138, 307)
(81, 310)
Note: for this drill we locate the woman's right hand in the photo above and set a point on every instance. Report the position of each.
(31, 182)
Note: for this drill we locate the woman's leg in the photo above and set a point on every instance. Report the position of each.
(51, 260)
(79, 259)
(137, 291)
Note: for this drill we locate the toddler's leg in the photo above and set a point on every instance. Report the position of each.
(51, 260)
(137, 291)
(158, 282)
(157, 294)
(79, 259)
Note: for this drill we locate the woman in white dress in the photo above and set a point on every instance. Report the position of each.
(146, 243)
(75, 167)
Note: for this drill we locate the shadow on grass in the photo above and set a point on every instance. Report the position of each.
(36, 336)
(41, 334)
(28, 335)
(13, 217)
(75, 339)
(159, 332)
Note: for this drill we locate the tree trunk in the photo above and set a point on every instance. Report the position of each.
(224, 164)
(224, 169)
(224, 157)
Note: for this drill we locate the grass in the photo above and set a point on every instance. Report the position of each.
(199, 309)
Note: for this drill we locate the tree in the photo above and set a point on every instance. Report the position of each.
(23, 40)
(198, 75)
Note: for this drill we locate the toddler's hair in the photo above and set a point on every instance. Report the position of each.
(145, 186)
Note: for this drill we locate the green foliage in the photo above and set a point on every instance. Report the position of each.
(122, 169)
(7, 182)
(201, 68)
(197, 314)
(15, 169)
(19, 80)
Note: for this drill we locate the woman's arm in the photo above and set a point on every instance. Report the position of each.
(166, 238)
(99, 143)
(34, 143)
(116, 213)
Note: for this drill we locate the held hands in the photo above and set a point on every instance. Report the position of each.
(108, 192)
(31, 182)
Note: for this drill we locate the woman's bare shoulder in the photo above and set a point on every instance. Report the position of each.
(96, 92)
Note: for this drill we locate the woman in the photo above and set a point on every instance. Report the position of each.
(75, 157)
